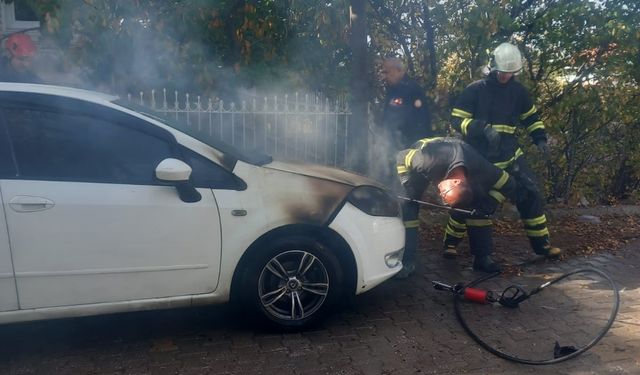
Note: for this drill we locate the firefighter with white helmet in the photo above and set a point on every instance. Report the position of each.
(488, 114)
(507, 58)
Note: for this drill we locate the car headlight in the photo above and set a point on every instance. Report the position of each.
(374, 201)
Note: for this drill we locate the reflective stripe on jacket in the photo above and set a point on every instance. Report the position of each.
(507, 108)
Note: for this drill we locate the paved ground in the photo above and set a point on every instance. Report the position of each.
(402, 327)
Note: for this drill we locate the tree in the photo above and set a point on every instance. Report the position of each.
(359, 79)
(581, 57)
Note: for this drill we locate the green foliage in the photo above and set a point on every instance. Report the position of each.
(582, 60)
(582, 67)
(212, 46)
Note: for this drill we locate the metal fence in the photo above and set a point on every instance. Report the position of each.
(304, 127)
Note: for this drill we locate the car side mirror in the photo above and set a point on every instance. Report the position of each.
(177, 173)
(173, 170)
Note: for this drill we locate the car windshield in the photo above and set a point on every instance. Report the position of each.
(251, 157)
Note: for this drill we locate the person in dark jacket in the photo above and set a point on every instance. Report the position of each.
(488, 114)
(405, 118)
(406, 115)
(18, 63)
(465, 180)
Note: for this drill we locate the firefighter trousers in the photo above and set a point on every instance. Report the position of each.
(410, 215)
(480, 233)
(529, 203)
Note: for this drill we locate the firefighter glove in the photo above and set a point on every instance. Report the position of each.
(475, 129)
(492, 136)
(544, 149)
(487, 207)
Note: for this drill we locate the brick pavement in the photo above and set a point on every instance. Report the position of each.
(402, 327)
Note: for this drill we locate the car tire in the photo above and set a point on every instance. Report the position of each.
(292, 283)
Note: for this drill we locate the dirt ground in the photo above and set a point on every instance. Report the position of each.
(575, 237)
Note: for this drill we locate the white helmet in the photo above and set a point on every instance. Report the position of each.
(507, 58)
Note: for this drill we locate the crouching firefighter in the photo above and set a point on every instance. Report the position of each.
(465, 180)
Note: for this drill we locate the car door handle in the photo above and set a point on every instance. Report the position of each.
(26, 203)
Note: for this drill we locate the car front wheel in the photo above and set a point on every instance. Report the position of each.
(293, 283)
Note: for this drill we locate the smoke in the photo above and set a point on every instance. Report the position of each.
(113, 47)
(382, 157)
(120, 46)
(272, 112)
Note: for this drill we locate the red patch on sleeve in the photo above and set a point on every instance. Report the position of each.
(396, 101)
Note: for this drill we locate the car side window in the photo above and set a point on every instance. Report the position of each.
(207, 174)
(7, 167)
(62, 146)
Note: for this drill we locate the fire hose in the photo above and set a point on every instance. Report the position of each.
(511, 297)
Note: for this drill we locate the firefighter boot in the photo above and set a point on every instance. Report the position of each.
(481, 244)
(411, 223)
(552, 252)
(449, 252)
(484, 263)
(542, 246)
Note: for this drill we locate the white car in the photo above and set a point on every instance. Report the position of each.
(110, 209)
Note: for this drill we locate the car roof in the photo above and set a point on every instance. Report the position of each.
(90, 96)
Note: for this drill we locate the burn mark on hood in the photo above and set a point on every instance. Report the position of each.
(323, 172)
(308, 200)
(323, 200)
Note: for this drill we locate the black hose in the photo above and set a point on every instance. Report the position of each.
(577, 352)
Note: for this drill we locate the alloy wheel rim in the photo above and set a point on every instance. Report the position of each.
(293, 285)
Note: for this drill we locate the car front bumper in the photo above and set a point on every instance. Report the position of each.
(377, 244)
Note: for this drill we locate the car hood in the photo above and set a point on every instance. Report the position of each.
(298, 193)
(323, 172)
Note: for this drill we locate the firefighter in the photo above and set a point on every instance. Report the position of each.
(465, 180)
(487, 114)
(18, 64)
(405, 118)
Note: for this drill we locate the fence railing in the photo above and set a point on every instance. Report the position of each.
(301, 127)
